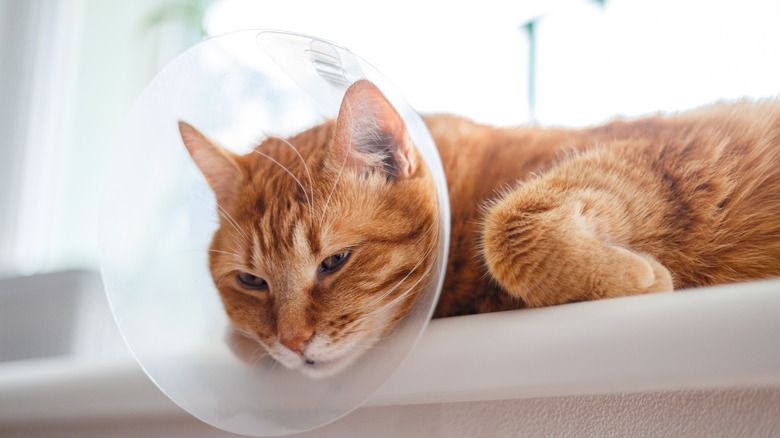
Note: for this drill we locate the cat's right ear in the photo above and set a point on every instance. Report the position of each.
(217, 164)
(371, 135)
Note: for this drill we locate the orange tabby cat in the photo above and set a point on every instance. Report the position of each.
(324, 238)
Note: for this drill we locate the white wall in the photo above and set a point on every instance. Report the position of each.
(69, 72)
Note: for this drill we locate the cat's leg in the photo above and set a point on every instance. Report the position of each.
(554, 241)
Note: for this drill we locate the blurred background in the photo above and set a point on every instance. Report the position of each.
(71, 69)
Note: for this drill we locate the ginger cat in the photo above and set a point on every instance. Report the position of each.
(325, 237)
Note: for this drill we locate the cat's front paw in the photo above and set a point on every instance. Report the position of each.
(654, 278)
(548, 255)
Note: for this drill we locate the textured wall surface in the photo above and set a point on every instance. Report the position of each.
(739, 412)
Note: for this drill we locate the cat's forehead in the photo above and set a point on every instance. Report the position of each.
(306, 145)
(286, 169)
(282, 244)
(288, 222)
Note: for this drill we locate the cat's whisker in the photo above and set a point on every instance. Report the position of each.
(163, 258)
(224, 213)
(235, 266)
(367, 343)
(327, 202)
(305, 167)
(236, 255)
(392, 289)
(401, 296)
(274, 365)
(258, 355)
(263, 347)
(413, 288)
(308, 199)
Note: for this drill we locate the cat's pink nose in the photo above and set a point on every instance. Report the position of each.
(297, 340)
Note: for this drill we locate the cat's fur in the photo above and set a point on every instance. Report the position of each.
(539, 217)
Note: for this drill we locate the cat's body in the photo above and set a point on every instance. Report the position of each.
(325, 238)
(698, 192)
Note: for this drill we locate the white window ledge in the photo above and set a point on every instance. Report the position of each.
(715, 338)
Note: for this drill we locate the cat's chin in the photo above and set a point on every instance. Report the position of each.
(246, 347)
(319, 369)
(323, 367)
(316, 366)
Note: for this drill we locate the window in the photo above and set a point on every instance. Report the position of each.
(72, 69)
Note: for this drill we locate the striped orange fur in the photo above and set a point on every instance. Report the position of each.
(325, 237)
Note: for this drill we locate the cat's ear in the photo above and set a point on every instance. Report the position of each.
(371, 135)
(217, 164)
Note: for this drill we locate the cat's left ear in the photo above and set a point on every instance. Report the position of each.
(217, 164)
(371, 135)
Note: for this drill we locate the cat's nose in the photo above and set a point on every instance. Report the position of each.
(297, 340)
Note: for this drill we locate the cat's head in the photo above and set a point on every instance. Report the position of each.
(326, 238)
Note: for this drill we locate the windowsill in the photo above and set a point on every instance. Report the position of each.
(722, 337)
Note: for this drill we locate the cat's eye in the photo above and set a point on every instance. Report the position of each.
(250, 281)
(333, 263)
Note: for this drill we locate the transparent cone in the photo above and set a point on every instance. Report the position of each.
(158, 216)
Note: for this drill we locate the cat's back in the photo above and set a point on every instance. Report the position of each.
(486, 157)
(715, 174)
(714, 122)
(735, 141)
